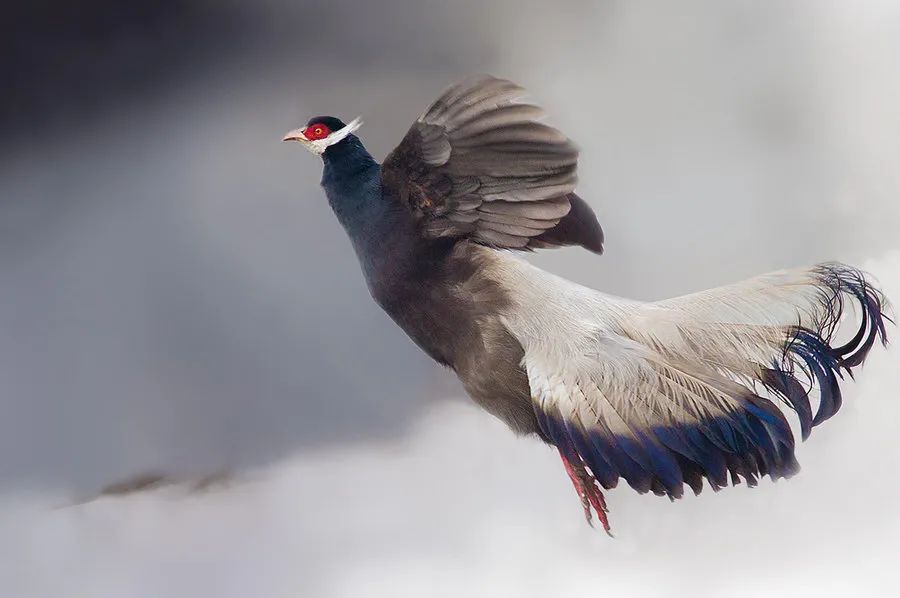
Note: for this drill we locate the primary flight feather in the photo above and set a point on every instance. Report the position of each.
(661, 394)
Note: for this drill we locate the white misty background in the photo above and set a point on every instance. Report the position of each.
(178, 298)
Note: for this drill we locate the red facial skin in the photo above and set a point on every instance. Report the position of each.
(316, 131)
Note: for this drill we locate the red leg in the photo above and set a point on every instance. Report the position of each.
(588, 491)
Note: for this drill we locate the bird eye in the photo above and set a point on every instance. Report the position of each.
(318, 131)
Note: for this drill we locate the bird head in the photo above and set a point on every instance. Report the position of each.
(321, 132)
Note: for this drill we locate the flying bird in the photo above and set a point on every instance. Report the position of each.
(662, 394)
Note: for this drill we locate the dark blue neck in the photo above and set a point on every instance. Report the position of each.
(352, 181)
(346, 158)
(381, 228)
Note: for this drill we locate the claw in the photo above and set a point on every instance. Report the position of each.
(588, 492)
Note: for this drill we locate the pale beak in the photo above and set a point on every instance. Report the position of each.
(295, 135)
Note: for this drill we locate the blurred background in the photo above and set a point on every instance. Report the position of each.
(178, 298)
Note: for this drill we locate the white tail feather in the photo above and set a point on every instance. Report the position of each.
(630, 370)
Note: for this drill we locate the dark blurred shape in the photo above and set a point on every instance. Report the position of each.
(145, 481)
(62, 59)
(149, 481)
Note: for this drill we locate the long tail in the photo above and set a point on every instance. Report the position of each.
(670, 392)
(778, 331)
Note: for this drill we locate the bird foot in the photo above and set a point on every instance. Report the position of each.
(588, 491)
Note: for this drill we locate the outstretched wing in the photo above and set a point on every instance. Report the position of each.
(479, 164)
(668, 393)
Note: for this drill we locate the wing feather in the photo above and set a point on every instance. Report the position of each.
(477, 146)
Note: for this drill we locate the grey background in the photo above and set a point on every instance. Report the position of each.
(177, 296)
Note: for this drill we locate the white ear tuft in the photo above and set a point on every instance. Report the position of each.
(342, 133)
